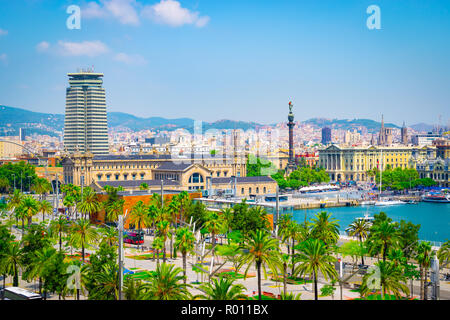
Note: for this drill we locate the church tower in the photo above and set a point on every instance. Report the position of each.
(404, 134)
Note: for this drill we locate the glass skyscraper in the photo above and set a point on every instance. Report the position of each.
(85, 124)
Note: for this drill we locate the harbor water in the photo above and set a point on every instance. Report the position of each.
(434, 218)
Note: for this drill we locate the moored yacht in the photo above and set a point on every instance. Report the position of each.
(436, 197)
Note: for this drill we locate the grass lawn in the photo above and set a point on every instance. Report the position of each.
(377, 296)
(292, 280)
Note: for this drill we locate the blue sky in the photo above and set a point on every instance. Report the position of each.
(246, 59)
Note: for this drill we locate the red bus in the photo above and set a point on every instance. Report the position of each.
(133, 237)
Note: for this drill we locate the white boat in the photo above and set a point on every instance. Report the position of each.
(388, 202)
(368, 203)
(366, 218)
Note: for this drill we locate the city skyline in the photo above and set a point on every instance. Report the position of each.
(210, 63)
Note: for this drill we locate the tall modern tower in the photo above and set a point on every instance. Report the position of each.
(85, 125)
(291, 162)
(326, 135)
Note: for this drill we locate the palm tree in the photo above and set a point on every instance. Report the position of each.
(132, 288)
(387, 235)
(390, 277)
(314, 257)
(156, 200)
(359, 228)
(174, 210)
(163, 228)
(443, 254)
(152, 213)
(69, 202)
(283, 265)
(29, 207)
(324, 228)
(185, 244)
(45, 207)
(214, 224)
(114, 209)
(41, 186)
(108, 281)
(39, 263)
(158, 244)
(143, 186)
(89, 202)
(424, 257)
(261, 249)
(14, 201)
(290, 296)
(138, 216)
(222, 289)
(58, 227)
(109, 235)
(166, 285)
(21, 214)
(82, 234)
(288, 232)
(183, 199)
(12, 261)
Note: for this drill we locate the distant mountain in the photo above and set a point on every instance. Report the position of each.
(120, 119)
(11, 119)
(422, 127)
(347, 124)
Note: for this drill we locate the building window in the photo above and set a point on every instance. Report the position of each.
(134, 176)
(249, 190)
(99, 176)
(108, 177)
(264, 189)
(257, 189)
(242, 191)
(196, 178)
(142, 176)
(117, 177)
(125, 177)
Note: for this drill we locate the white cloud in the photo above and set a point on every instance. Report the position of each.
(4, 58)
(3, 32)
(93, 10)
(168, 12)
(42, 46)
(131, 59)
(85, 48)
(171, 13)
(123, 10)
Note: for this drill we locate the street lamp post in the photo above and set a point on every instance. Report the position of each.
(120, 229)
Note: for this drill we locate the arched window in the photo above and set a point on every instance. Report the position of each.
(196, 178)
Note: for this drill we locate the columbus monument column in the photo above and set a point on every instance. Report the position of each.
(291, 166)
